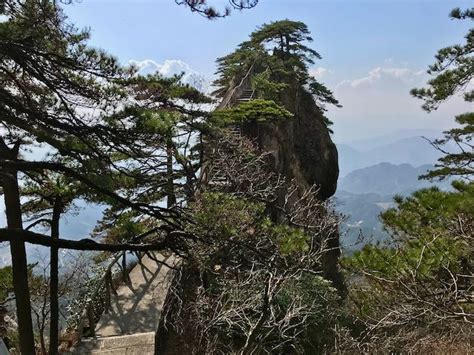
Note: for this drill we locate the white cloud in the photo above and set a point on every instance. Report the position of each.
(172, 67)
(319, 72)
(381, 73)
(379, 102)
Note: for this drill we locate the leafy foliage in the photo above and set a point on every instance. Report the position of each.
(254, 293)
(265, 87)
(278, 54)
(461, 162)
(288, 37)
(453, 74)
(129, 142)
(110, 135)
(413, 293)
(6, 282)
(425, 278)
(255, 110)
(453, 69)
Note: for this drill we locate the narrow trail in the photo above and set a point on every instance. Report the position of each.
(130, 325)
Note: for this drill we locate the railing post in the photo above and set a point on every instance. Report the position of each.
(108, 285)
(80, 327)
(90, 316)
(124, 267)
(87, 313)
(112, 287)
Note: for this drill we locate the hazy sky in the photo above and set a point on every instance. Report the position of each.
(373, 52)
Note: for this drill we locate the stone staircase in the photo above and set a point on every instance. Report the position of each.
(247, 95)
(130, 325)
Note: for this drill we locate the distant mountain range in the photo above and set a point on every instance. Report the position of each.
(414, 150)
(387, 179)
(361, 218)
(377, 141)
(364, 193)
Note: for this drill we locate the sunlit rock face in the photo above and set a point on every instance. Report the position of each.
(301, 148)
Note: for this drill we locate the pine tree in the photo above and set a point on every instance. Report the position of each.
(77, 103)
(203, 8)
(419, 286)
(280, 59)
(453, 74)
(45, 72)
(48, 198)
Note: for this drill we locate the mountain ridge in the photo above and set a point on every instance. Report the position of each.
(413, 150)
(387, 179)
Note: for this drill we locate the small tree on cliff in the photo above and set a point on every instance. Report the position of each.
(280, 43)
(280, 58)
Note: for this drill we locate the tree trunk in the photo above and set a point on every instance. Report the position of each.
(54, 281)
(40, 322)
(19, 262)
(171, 197)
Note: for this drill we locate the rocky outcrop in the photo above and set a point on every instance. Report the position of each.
(312, 143)
(301, 148)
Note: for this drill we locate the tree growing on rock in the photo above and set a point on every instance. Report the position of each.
(255, 285)
(280, 58)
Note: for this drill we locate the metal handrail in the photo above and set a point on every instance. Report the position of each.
(227, 99)
(107, 282)
(204, 175)
(253, 93)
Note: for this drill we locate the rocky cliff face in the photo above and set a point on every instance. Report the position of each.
(302, 148)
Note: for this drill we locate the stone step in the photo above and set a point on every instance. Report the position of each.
(137, 306)
(133, 344)
(130, 325)
(247, 95)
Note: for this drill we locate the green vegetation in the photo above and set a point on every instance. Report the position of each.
(454, 72)
(422, 280)
(279, 58)
(6, 282)
(415, 293)
(258, 288)
(265, 87)
(110, 135)
(255, 110)
(259, 250)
